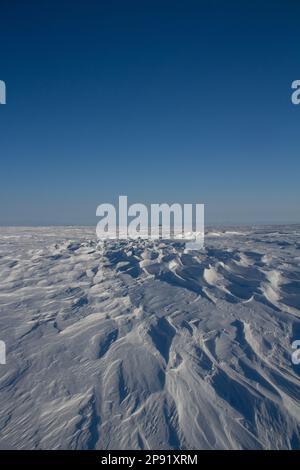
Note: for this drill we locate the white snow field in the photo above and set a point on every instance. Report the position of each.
(139, 345)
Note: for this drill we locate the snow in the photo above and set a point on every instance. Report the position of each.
(141, 345)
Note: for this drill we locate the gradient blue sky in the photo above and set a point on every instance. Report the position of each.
(165, 101)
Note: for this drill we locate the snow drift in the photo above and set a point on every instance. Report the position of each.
(140, 345)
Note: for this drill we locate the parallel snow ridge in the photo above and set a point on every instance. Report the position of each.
(141, 345)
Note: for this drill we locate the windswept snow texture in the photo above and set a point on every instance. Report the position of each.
(139, 345)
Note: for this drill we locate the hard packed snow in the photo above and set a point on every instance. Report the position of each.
(139, 344)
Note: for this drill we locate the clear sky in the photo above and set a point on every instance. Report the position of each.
(163, 101)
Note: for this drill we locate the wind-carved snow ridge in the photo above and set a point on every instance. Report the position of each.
(140, 345)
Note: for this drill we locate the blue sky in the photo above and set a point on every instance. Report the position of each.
(164, 101)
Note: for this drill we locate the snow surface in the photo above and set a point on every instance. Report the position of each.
(139, 345)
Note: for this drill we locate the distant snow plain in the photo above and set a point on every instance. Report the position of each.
(140, 345)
